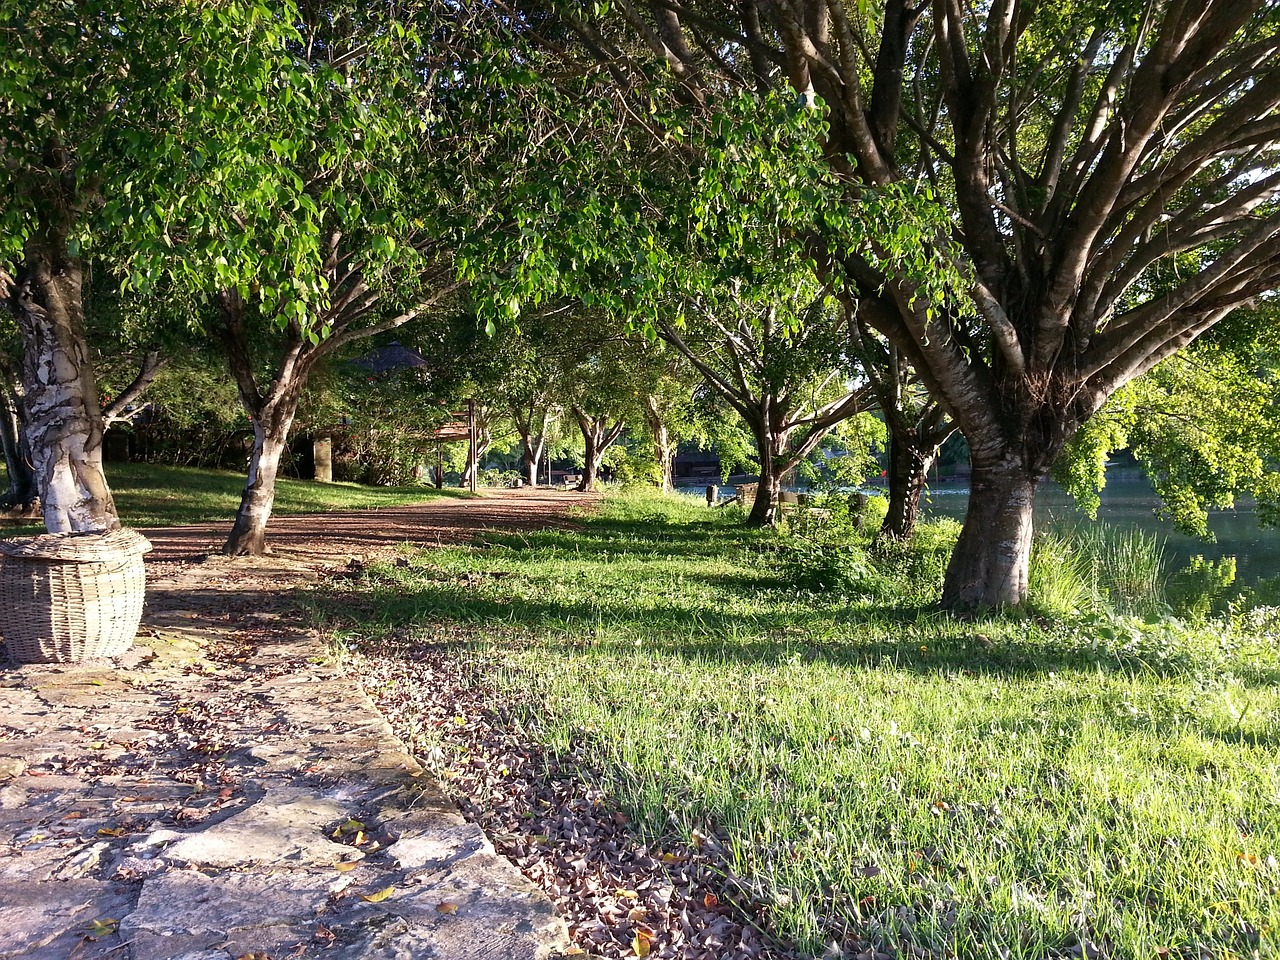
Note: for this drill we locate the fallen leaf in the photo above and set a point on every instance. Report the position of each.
(575, 951)
(104, 927)
(346, 866)
(379, 896)
(627, 894)
(111, 831)
(711, 901)
(446, 908)
(640, 943)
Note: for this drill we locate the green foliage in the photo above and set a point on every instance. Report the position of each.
(1099, 567)
(383, 424)
(833, 549)
(1203, 425)
(695, 200)
(1061, 579)
(847, 455)
(1128, 565)
(127, 119)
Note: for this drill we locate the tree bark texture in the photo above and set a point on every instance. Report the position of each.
(532, 448)
(23, 493)
(663, 448)
(989, 565)
(63, 418)
(769, 447)
(248, 536)
(271, 412)
(909, 466)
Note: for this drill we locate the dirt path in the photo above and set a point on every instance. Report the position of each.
(223, 790)
(320, 541)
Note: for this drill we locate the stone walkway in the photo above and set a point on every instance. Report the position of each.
(224, 792)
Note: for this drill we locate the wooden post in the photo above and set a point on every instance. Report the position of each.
(322, 452)
(439, 466)
(473, 461)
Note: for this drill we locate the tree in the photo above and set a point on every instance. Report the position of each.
(783, 372)
(918, 424)
(667, 388)
(99, 103)
(1079, 152)
(357, 243)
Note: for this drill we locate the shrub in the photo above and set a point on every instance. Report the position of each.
(832, 551)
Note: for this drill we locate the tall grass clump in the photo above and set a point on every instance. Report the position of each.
(1129, 564)
(1079, 570)
(1061, 580)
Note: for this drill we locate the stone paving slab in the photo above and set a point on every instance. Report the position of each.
(222, 791)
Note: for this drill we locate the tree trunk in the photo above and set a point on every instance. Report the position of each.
(483, 443)
(532, 457)
(769, 445)
(908, 472)
(271, 414)
(764, 510)
(63, 417)
(270, 439)
(22, 494)
(989, 565)
(663, 448)
(597, 437)
(590, 461)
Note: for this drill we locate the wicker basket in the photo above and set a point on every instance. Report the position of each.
(71, 596)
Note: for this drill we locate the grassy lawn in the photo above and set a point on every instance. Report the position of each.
(1007, 787)
(149, 495)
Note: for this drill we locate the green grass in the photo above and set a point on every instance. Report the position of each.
(994, 788)
(149, 495)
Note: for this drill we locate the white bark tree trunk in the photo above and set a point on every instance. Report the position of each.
(63, 419)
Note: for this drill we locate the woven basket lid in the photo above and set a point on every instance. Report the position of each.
(79, 547)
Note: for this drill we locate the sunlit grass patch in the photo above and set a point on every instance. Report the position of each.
(153, 495)
(1008, 787)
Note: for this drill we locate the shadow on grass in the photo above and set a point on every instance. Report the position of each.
(918, 639)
